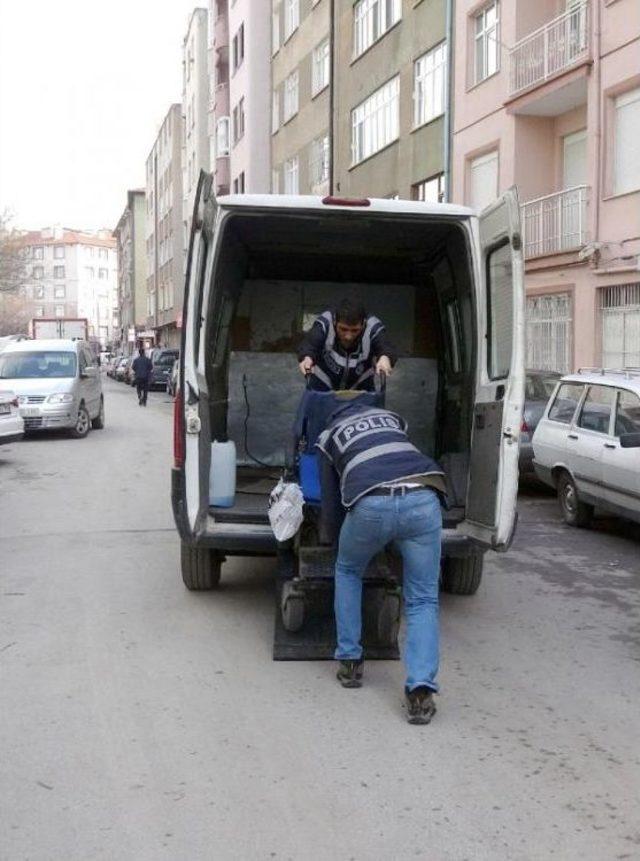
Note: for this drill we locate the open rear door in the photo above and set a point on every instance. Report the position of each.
(493, 469)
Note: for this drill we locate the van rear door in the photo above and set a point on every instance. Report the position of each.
(499, 397)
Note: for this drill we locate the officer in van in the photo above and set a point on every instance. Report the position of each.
(345, 348)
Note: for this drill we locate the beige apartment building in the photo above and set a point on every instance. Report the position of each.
(130, 236)
(164, 231)
(547, 98)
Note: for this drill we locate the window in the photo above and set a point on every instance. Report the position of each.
(320, 68)
(222, 137)
(59, 291)
(238, 121)
(375, 122)
(38, 252)
(275, 181)
(237, 48)
(58, 271)
(103, 274)
(275, 111)
(58, 252)
(486, 42)
(319, 156)
(291, 96)
(429, 85)
(38, 292)
(484, 180)
(371, 20)
(549, 332)
(626, 169)
(89, 271)
(628, 413)
(595, 414)
(38, 272)
(500, 300)
(275, 32)
(291, 175)
(429, 190)
(565, 403)
(59, 312)
(620, 315)
(291, 17)
(238, 184)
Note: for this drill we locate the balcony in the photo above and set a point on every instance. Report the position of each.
(550, 50)
(556, 223)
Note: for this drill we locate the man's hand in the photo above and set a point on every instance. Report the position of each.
(305, 365)
(383, 366)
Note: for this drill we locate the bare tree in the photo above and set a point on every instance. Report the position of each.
(13, 271)
(16, 313)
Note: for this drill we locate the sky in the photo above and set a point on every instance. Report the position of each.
(84, 86)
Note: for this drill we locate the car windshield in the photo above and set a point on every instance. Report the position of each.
(166, 359)
(40, 363)
(539, 387)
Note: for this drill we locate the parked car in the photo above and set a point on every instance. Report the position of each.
(11, 422)
(586, 444)
(162, 363)
(129, 376)
(172, 379)
(120, 368)
(112, 363)
(57, 383)
(538, 387)
(261, 265)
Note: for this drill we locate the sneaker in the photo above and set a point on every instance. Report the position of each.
(350, 673)
(420, 705)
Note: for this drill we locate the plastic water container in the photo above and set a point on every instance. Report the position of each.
(222, 474)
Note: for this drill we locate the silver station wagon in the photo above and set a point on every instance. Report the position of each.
(587, 444)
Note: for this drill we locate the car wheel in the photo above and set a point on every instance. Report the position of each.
(83, 423)
(98, 422)
(462, 576)
(201, 567)
(574, 511)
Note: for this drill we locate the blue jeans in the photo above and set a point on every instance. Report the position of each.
(414, 523)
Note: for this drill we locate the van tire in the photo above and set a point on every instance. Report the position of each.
(82, 425)
(200, 566)
(462, 576)
(98, 422)
(574, 511)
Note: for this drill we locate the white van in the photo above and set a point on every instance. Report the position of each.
(449, 287)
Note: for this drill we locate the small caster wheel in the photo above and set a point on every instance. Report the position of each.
(292, 608)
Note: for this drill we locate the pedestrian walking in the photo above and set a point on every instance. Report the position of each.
(142, 371)
(392, 492)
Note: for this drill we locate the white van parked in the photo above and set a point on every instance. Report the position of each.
(449, 287)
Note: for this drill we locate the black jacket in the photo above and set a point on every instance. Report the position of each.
(142, 367)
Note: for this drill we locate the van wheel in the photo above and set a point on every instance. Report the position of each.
(201, 567)
(82, 425)
(574, 511)
(462, 576)
(98, 422)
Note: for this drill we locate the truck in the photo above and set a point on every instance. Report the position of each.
(76, 328)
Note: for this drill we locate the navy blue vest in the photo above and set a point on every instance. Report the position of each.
(369, 446)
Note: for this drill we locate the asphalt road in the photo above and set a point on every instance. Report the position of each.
(139, 721)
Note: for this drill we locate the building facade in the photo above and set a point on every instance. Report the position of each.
(73, 273)
(130, 236)
(195, 108)
(547, 98)
(164, 231)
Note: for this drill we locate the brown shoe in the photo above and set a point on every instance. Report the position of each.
(420, 705)
(350, 673)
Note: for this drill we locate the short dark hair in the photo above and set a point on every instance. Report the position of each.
(351, 312)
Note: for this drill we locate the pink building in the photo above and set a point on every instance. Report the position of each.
(547, 98)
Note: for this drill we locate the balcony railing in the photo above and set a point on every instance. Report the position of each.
(556, 223)
(550, 50)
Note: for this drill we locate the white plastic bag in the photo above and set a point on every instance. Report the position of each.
(285, 509)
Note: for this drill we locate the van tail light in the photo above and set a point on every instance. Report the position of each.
(346, 201)
(524, 427)
(178, 431)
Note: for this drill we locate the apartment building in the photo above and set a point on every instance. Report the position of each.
(164, 231)
(195, 113)
(130, 236)
(390, 99)
(547, 98)
(73, 273)
(301, 96)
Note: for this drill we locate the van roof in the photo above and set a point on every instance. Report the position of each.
(60, 344)
(302, 201)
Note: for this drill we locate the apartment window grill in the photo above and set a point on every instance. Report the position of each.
(319, 157)
(429, 90)
(371, 20)
(487, 42)
(375, 122)
(320, 68)
(291, 175)
(291, 95)
(620, 325)
(549, 332)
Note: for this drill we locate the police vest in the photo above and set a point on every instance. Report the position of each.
(339, 370)
(369, 448)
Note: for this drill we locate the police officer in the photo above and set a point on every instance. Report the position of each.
(344, 348)
(392, 493)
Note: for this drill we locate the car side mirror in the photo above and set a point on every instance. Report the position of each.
(630, 440)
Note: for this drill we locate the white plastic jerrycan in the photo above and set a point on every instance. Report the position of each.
(222, 475)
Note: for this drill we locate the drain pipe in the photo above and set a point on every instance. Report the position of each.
(598, 85)
(332, 70)
(448, 116)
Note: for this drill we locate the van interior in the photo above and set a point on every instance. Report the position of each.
(274, 272)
